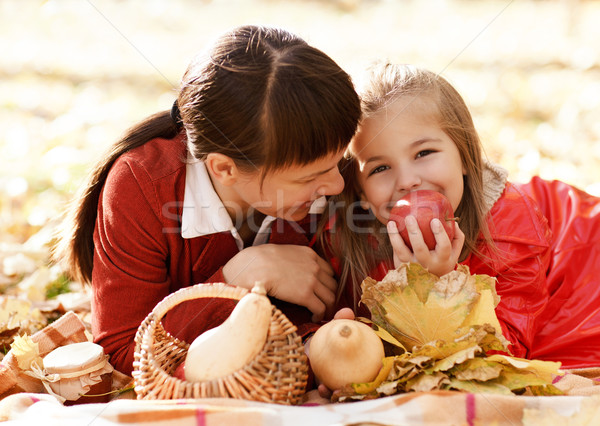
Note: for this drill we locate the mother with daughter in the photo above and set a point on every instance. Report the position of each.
(229, 185)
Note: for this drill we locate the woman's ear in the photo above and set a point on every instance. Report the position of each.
(222, 168)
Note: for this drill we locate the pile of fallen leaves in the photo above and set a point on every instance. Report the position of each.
(33, 291)
(443, 334)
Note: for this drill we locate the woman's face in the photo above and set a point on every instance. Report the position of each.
(288, 193)
(401, 149)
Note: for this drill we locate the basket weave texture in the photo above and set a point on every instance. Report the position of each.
(278, 374)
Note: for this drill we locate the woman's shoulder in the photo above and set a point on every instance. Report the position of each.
(156, 169)
(157, 158)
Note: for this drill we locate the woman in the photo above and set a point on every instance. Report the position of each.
(222, 189)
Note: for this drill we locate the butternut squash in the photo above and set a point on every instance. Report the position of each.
(345, 351)
(233, 344)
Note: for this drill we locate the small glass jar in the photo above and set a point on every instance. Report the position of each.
(79, 370)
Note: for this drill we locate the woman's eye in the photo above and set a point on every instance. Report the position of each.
(378, 170)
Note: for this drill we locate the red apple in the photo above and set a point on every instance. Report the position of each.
(424, 205)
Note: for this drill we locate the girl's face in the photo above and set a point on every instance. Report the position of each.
(288, 193)
(401, 149)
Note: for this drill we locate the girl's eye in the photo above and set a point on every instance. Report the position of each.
(378, 169)
(424, 153)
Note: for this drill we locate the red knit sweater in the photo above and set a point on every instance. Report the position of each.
(140, 256)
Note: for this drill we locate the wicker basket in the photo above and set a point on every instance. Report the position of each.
(278, 374)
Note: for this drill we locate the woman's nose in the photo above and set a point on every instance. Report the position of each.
(333, 183)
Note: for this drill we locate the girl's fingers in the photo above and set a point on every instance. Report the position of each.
(344, 313)
(419, 248)
(395, 238)
(443, 245)
(459, 238)
(401, 252)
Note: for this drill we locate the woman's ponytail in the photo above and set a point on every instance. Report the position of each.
(75, 247)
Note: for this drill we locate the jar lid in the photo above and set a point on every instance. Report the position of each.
(73, 357)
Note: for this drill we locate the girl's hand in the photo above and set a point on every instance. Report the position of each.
(439, 261)
(295, 274)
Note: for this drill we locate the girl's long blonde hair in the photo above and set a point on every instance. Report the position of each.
(358, 240)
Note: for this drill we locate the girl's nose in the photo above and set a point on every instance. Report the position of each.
(407, 180)
(332, 184)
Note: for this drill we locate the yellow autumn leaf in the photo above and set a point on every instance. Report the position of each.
(455, 358)
(439, 349)
(417, 307)
(473, 386)
(545, 390)
(382, 333)
(427, 382)
(481, 312)
(364, 388)
(26, 352)
(514, 378)
(477, 369)
(543, 369)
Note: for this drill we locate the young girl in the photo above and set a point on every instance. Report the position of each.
(540, 240)
(220, 189)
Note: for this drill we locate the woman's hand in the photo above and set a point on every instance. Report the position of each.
(295, 274)
(439, 261)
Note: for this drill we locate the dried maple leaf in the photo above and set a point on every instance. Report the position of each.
(417, 307)
(17, 316)
(455, 358)
(26, 351)
(477, 369)
(427, 382)
(474, 386)
(546, 370)
(445, 327)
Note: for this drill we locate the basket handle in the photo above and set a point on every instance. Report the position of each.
(220, 290)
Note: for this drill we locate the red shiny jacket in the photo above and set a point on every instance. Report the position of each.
(546, 259)
(569, 326)
(140, 256)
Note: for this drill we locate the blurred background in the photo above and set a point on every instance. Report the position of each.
(75, 74)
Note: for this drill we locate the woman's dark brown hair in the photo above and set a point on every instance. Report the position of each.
(261, 96)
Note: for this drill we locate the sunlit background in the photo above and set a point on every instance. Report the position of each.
(75, 74)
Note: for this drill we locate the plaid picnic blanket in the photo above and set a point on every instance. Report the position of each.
(442, 407)
(23, 400)
(68, 329)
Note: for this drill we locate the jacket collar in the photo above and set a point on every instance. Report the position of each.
(204, 212)
(494, 182)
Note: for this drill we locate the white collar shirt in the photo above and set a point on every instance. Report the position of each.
(205, 214)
